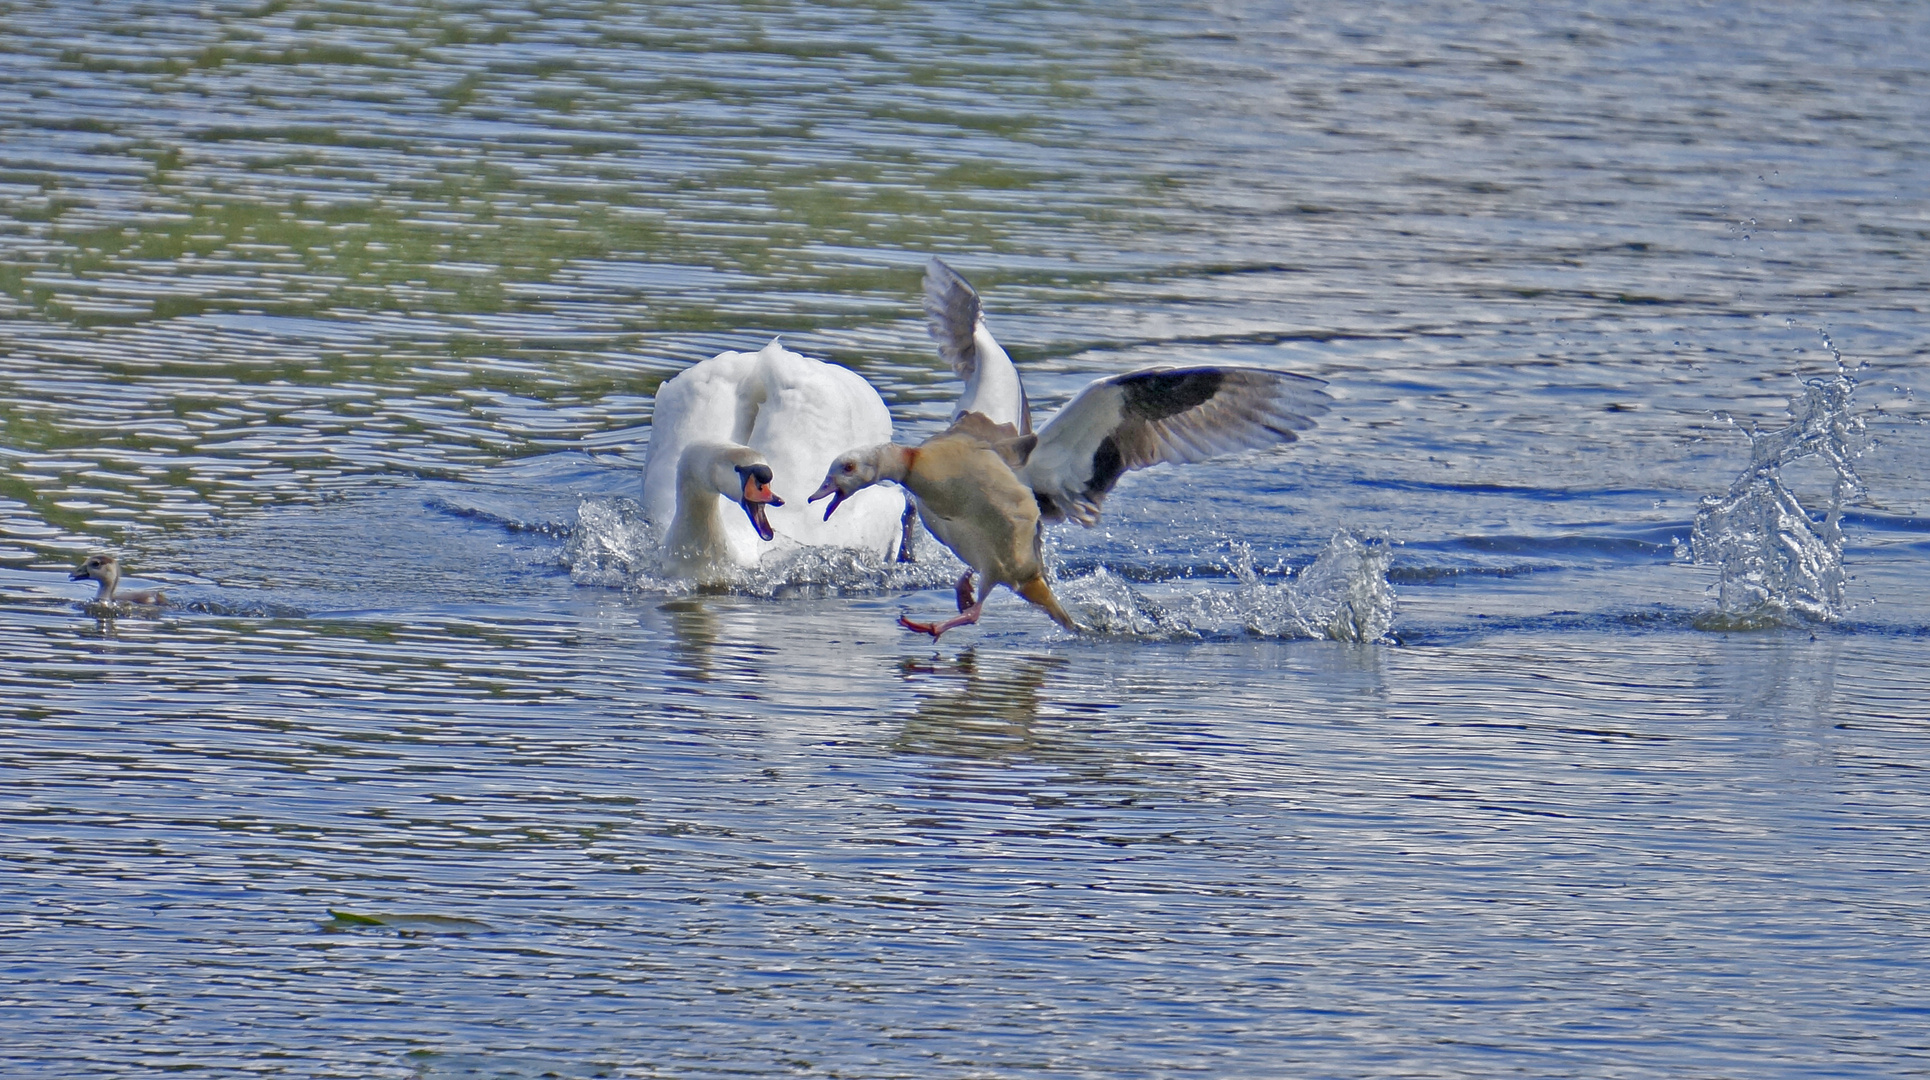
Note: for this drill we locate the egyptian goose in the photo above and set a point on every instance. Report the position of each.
(106, 569)
(984, 488)
(733, 426)
(956, 321)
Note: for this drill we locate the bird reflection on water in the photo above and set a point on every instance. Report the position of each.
(693, 638)
(966, 708)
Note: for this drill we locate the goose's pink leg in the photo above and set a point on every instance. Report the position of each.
(965, 618)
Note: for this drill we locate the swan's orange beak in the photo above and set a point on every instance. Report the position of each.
(830, 489)
(758, 495)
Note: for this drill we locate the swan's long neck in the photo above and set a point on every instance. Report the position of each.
(697, 530)
(107, 577)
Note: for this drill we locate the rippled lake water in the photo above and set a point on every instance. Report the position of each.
(341, 322)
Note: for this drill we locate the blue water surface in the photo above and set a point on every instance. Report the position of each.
(343, 322)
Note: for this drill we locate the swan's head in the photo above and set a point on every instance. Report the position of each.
(105, 569)
(856, 470)
(738, 473)
(749, 486)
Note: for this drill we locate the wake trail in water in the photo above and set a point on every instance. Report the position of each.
(1779, 564)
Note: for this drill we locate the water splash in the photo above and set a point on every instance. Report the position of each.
(1779, 564)
(819, 571)
(1343, 596)
(613, 545)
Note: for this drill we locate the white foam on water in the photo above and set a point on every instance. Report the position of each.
(1343, 595)
(613, 545)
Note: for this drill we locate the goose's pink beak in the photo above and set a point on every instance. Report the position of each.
(830, 489)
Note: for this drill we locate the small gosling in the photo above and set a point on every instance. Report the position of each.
(106, 570)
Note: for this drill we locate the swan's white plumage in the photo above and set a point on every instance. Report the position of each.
(799, 413)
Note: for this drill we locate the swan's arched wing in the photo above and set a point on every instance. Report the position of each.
(1155, 415)
(956, 322)
(804, 413)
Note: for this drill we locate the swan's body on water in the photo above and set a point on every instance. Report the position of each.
(793, 415)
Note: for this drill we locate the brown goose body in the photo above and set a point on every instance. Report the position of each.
(972, 501)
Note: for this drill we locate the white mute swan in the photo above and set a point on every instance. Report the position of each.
(772, 409)
(983, 486)
(106, 570)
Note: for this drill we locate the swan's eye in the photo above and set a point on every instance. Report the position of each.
(849, 467)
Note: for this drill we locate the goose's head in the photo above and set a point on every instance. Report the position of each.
(855, 470)
(744, 477)
(105, 569)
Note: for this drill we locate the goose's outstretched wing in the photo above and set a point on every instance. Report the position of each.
(1155, 415)
(952, 315)
(956, 321)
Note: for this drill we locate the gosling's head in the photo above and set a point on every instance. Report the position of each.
(855, 470)
(105, 569)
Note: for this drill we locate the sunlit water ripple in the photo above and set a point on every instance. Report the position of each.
(1555, 708)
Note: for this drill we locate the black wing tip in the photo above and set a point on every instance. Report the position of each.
(1239, 373)
(1313, 384)
(1155, 394)
(1048, 507)
(952, 313)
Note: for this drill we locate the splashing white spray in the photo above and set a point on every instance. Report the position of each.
(1343, 596)
(1779, 565)
(613, 545)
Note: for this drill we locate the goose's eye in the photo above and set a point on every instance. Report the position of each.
(850, 468)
